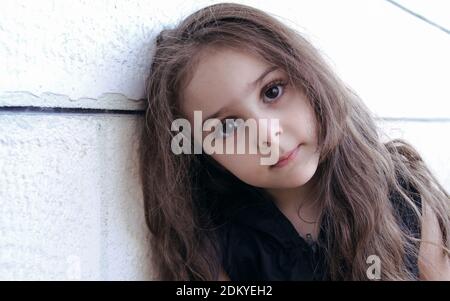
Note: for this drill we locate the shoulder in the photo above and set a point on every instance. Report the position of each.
(245, 240)
(239, 249)
(232, 233)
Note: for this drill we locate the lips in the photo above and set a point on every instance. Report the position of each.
(283, 160)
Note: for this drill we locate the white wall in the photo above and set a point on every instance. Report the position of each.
(69, 195)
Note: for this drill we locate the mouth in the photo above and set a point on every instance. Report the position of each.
(286, 158)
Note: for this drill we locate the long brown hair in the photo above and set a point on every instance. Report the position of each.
(185, 196)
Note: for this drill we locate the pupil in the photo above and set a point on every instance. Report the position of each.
(273, 90)
(229, 125)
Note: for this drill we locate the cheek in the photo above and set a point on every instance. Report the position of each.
(309, 124)
(301, 119)
(312, 129)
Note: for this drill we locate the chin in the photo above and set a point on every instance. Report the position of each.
(296, 180)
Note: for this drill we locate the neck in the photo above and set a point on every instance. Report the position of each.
(301, 200)
(304, 195)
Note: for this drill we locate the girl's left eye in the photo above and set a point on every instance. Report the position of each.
(272, 91)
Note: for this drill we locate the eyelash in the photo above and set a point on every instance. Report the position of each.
(276, 82)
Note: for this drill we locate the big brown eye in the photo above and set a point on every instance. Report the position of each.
(226, 128)
(274, 91)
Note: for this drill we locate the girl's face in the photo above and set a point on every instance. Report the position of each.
(223, 81)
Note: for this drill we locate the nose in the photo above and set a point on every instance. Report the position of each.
(270, 132)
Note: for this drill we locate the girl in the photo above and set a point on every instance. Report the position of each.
(338, 205)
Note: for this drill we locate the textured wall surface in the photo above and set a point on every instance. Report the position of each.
(71, 207)
(86, 48)
(70, 200)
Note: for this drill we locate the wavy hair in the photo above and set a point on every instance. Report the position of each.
(187, 196)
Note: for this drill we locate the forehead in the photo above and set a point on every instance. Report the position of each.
(221, 77)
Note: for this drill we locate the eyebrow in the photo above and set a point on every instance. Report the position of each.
(251, 85)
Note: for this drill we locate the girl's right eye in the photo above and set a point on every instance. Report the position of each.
(227, 127)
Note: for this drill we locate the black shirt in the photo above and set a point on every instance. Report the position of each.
(260, 243)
